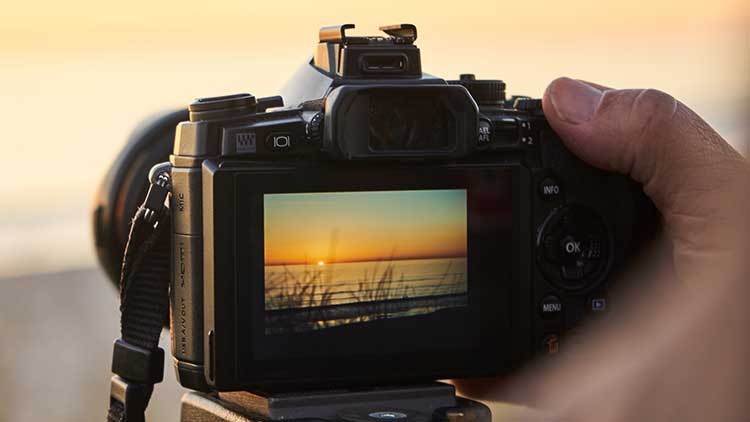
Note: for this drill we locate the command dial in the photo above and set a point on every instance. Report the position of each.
(487, 92)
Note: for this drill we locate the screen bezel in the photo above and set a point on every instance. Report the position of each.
(243, 219)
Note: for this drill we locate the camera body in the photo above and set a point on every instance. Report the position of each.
(284, 210)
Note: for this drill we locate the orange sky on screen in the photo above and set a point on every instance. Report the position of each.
(364, 226)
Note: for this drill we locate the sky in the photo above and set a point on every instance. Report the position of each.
(305, 228)
(77, 76)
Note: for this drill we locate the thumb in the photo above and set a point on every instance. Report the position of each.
(693, 176)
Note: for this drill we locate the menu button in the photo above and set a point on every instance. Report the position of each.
(550, 307)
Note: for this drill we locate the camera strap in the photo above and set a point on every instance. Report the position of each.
(137, 359)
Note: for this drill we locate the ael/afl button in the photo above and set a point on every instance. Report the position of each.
(485, 132)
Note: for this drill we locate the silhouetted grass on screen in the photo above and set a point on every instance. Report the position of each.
(379, 284)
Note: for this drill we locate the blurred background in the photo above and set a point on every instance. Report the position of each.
(76, 76)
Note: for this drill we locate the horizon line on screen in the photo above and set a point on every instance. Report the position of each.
(364, 226)
(379, 259)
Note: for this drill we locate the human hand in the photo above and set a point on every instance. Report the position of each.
(693, 176)
(673, 358)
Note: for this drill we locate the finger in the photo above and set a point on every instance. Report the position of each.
(686, 168)
(513, 393)
(642, 133)
(484, 388)
(596, 85)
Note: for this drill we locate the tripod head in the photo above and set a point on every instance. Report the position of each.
(418, 403)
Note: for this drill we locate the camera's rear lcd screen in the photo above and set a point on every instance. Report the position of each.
(342, 261)
(404, 267)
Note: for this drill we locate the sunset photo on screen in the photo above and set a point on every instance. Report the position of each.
(340, 258)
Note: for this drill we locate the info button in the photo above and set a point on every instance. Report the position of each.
(550, 189)
(550, 307)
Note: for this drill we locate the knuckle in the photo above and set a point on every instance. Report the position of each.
(652, 114)
(654, 106)
(657, 140)
(610, 102)
(647, 123)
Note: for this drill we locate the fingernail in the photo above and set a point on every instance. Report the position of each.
(574, 101)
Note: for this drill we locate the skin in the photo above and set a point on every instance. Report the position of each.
(678, 347)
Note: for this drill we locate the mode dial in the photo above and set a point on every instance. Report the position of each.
(485, 91)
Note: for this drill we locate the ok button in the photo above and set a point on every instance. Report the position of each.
(570, 247)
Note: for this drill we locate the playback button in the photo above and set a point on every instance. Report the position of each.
(598, 305)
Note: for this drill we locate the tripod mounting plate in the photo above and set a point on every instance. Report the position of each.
(421, 403)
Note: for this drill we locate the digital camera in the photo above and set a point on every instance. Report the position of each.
(376, 225)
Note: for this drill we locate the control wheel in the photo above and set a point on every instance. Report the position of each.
(573, 248)
(488, 92)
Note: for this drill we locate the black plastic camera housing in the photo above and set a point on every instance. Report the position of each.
(546, 234)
